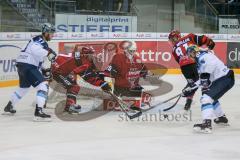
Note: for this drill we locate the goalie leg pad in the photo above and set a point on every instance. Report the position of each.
(71, 94)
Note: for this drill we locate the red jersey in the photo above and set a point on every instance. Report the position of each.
(180, 47)
(66, 64)
(128, 73)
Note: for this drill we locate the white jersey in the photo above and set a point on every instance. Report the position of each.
(209, 63)
(35, 52)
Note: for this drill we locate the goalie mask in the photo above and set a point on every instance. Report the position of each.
(129, 47)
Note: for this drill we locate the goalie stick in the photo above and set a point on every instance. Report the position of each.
(124, 107)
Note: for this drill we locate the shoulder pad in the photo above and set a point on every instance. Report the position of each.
(38, 39)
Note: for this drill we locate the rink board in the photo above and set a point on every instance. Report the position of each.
(152, 48)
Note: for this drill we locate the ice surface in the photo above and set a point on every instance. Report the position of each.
(110, 138)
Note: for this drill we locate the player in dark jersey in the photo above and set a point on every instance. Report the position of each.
(187, 65)
(65, 71)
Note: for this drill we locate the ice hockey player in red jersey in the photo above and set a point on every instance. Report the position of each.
(127, 68)
(65, 71)
(187, 65)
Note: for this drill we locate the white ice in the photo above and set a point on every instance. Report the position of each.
(110, 138)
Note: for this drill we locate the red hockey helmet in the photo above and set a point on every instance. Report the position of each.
(174, 36)
(87, 50)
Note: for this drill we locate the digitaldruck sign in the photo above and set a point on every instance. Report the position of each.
(95, 23)
(233, 54)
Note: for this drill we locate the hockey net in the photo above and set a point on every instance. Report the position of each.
(101, 58)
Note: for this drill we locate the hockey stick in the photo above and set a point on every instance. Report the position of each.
(167, 109)
(124, 106)
(156, 105)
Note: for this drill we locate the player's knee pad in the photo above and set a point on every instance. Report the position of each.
(216, 104)
(205, 99)
(42, 90)
(20, 92)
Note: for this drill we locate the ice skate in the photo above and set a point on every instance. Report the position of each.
(73, 109)
(221, 121)
(40, 116)
(9, 109)
(205, 127)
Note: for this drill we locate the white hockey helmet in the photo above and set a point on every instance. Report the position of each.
(130, 47)
(48, 28)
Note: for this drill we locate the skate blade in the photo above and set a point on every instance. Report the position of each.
(39, 119)
(222, 124)
(8, 113)
(70, 113)
(199, 130)
(74, 113)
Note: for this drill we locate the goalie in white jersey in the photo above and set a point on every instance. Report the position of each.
(30, 71)
(215, 80)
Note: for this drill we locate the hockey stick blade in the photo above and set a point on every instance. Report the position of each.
(135, 115)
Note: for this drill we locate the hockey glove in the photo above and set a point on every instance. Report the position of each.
(205, 82)
(68, 81)
(112, 70)
(106, 87)
(189, 90)
(101, 75)
(47, 74)
(211, 44)
(51, 55)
